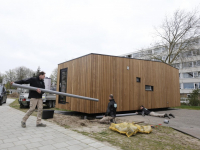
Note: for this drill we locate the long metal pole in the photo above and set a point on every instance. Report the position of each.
(54, 92)
(118, 115)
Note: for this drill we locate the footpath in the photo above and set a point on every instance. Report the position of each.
(52, 137)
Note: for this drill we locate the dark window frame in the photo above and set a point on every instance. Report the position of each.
(62, 102)
(152, 88)
(138, 79)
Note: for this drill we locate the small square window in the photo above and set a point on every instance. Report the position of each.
(137, 79)
(148, 88)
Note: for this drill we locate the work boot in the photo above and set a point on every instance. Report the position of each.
(166, 115)
(23, 124)
(172, 115)
(41, 125)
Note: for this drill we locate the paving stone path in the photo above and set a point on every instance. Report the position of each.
(53, 137)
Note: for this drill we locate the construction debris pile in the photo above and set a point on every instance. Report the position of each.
(130, 128)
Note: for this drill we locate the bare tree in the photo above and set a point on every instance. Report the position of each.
(10, 76)
(38, 70)
(53, 76)
(176, 37)
(23, 72)
(1, 77)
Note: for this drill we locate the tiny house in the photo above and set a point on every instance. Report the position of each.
(132, 82)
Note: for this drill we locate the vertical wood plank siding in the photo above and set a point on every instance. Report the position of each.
(98, 76)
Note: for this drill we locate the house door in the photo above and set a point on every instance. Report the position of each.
(63, 85)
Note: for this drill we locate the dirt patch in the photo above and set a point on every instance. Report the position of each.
(76, 123)
(160, 138)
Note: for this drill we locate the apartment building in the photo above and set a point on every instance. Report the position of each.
(188, 65)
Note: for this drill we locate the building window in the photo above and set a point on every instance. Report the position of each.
(136, 55)
(137, 79)
(194, 63)
(149, 52)
(163, 58)
(176, 66)
(187, 64)
(198, 63)
(196, 86)
(180, 85)
(196, 52)
(148, 88)
(129, 56)
(196, 74)
(157, 51)
(188, 75)
(187, 54)
(188, 85)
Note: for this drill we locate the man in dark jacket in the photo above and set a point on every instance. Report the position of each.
(111, 110)
(35, 98)
(145, 111)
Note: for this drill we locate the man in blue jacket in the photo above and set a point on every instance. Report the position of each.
(35, 98)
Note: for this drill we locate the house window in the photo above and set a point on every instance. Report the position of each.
(188, 85)
(63, 85)
(148, 88)
(137, 79)
(188, 75)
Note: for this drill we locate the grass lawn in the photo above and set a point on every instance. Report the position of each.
(188, 107)
(161, 138)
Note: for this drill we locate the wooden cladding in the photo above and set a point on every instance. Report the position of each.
(98, 76)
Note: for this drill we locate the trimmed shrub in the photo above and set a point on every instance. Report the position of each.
(194, 98)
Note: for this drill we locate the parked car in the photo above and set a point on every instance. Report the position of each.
(3, 95)
(48, 99)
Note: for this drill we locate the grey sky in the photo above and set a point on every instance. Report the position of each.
(45, 33)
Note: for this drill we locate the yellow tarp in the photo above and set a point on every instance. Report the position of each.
(130, 128)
